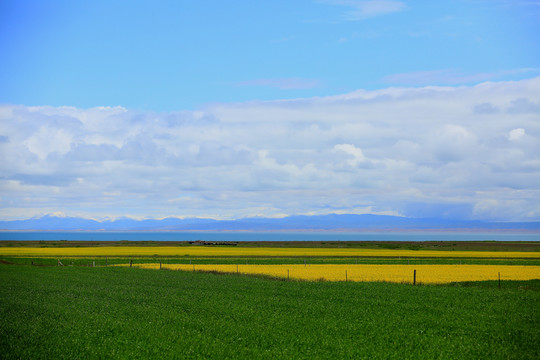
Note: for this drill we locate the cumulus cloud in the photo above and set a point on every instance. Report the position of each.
(356, 156)
(437, 151)
(524, 106)
(485, 108)
(516, 134)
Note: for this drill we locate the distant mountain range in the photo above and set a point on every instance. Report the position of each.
(332, 222)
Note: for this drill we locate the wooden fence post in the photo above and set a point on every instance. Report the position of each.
(130, 263)
(499, 280)
(414, 277)
(237, 268)
(287, 274)
(345, 275)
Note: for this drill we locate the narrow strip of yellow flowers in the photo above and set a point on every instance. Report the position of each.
(126, 251)
(427, 274)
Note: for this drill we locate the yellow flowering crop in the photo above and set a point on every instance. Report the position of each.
(200, 251)
(428, 274)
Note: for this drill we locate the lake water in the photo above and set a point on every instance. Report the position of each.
(267, 236)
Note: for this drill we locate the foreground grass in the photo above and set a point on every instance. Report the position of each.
(76, 312)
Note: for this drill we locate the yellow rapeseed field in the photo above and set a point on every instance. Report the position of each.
(199, 251)
(427, 274)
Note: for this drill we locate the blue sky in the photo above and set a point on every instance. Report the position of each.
(180, 55)
(269, 108)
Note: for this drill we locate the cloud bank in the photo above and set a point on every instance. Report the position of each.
(470, 152)
(453, 77)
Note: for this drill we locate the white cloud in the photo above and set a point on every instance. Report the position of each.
(452, 143)
(356, 154)
(409, 151)
(516, 134)
(48, 140)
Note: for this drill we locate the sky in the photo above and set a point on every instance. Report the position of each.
(150, 109)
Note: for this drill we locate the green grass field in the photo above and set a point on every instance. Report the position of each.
(102, 261)
(82, 312)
